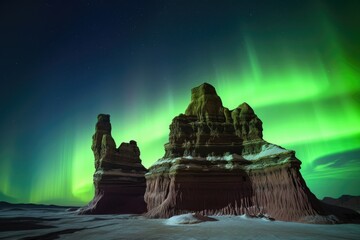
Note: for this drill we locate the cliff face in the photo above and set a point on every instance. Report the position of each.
(216, 162)
(119, 175)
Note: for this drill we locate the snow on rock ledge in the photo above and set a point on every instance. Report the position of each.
(217, 163)
(267, 150)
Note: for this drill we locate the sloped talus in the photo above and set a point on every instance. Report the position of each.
(216, 162)
(119, 175)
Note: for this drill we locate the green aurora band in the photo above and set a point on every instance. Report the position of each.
(306, 102)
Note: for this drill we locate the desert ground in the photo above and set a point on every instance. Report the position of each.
(61, 223)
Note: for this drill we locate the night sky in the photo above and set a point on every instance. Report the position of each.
(297, 63)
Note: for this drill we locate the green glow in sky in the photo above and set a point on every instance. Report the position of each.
(307, 95)
(303, 106)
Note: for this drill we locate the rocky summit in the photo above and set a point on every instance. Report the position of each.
(217, 163)
(119, 175)
(207, 128)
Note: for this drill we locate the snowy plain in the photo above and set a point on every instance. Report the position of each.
(57, 223)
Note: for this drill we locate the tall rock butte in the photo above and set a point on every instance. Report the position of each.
(119, 175)
(217, 163)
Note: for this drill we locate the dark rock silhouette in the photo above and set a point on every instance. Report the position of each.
(217, 163)
(346, 201)
(119, 175)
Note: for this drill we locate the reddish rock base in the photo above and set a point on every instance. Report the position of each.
(216, 163)
(215, 188)
(119, 177)
(117, 200)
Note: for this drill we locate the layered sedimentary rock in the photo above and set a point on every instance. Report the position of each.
(119, 175)
(217, 163)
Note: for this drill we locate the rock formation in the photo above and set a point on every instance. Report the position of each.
(119, 176)
(217, 163)
(346, 201)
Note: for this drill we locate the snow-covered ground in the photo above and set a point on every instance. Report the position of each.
(50, 223)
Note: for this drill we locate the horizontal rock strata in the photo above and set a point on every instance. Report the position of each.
(217, 163)
(119, 176)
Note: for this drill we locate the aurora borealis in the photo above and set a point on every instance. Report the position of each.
(296, 63)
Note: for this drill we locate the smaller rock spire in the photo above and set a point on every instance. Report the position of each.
(119, 179)
(102, 128)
